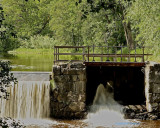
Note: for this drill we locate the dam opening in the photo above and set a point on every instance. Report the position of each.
(128, 83)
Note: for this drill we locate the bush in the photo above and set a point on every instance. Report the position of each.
(39, 42)
(5, 78)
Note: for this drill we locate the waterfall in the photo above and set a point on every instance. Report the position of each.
(28, 99)
(105, 111)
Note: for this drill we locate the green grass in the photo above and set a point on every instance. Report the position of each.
(31, 51)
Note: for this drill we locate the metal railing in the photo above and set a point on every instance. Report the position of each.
(110, 53)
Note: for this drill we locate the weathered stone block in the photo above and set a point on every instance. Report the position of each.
(155, 88)
(154, 106)
(154, 73)
(80, 83)
(81, 98)
(82, 77)
(79, 86)
(77, 106)
(64, 65)
(56, 70)
(74, 78)
(73, 71)
(62, 78)
(55, 106)
(150, 97)
(77, 65)
(62, 97)
(155, 98)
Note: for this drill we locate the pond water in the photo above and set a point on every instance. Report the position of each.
(29, 62)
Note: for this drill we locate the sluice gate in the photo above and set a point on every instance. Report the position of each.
(77, 77)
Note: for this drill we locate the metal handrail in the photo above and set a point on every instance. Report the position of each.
(89, 51)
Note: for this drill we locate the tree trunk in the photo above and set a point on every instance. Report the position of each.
(128, 34)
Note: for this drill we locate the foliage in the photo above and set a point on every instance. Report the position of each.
(5, 78)
(38, 42)
(112, 14)
(66, 22)
(145, 17)
(45, 23)
(28, 17)
(8, 40)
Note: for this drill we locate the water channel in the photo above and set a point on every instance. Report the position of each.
(27, 102)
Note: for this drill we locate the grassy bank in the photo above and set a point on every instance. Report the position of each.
(31, 51)
(38, 52)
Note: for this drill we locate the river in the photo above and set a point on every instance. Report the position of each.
(103, 118)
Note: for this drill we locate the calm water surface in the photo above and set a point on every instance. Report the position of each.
(29, 62)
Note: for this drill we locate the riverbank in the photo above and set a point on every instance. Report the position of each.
(24, 51)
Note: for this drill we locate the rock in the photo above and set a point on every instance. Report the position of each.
(155, 98)
(10, 123)
(77, 65)
(56, 70)
(153, 117)
(76, 107)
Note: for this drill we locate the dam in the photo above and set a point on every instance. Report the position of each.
(135, 81)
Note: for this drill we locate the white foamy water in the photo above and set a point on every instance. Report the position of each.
(28, 99)
(105, 111)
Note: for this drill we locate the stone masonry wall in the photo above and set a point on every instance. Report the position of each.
(152, 87)
(68, 98)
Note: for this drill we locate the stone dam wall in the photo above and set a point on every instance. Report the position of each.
(68, 98)
(152, 87)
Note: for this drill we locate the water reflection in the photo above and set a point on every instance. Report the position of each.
(29, 62)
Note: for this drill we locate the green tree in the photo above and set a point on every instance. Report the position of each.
(8, 38)
(27, 17)
(114, 13)
(66, 22)
(144, 16)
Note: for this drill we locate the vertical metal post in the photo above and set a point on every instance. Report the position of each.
(58, 54)
(107, 53)
(135, 53)
(54, 55)
(115, 54)
(129, 53)
(93, 53)
(83, 54)
(102, 55)
(121, 53)
(88, 53)
(143, 54)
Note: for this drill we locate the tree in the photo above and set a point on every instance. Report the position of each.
(28, 17)
(8, 38)
(66, 22)
(144, 16)
(114, 14)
